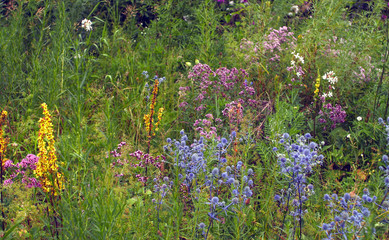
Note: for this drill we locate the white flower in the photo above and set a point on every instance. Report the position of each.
(359, 118)
(298, 57)
(86, 24)
(295, 9)
(348, 136)
(231, 3)
(324, 95)
(330, 94)
(290, 14)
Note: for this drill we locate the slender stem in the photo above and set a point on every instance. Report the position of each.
(209, 227)
(286, 211)
(300, 220)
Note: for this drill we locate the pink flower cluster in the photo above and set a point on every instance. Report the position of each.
(335, 114)
(223, 83)
(205, 128)
(117, 154)
(234, 111)
(278, 41)
(22, 169)
(146, 160)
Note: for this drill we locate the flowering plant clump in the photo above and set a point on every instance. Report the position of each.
(204, 126)
(202, 167)
(332, 115)
(143, 160)
(23, 170)
(332, 80)
(296, 66)
(222, 84)
(46, 169)
(277, 41)
(228, 87)
(297, 160)
(275, 45)
(151, 126)
(349, 215)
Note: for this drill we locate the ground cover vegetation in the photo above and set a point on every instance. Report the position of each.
(194, 119)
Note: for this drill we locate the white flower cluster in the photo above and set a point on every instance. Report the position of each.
(86, 24)
(332, 79)
(298, 57)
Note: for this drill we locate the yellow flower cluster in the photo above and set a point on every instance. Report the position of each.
(47, 168)
(317, 85)
(3, 141)
(148, 118)
(160, 112)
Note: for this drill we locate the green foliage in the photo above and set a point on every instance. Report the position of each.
(92, 82)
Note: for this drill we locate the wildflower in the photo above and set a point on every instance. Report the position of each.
(160, 112)
(188, 64)
(317, 85)
(3, 141)
(86, 24)
(295, 9)
(149, 118)
(47, 168)
(359, 118)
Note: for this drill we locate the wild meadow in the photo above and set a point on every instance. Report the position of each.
(194, 119)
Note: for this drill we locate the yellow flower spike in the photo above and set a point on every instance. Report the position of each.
(3, 141)
(47, 168)
(317, 85)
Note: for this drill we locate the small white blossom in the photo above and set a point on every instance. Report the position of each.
(231, 3)
(359, 118)
(295, 9)
(86, 24)
(298, 57)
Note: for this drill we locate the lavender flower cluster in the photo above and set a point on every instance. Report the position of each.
(144, 160)
(277, 41)
(297, 160)
(202, 166)
(350, 214)
(22, 169)
(223, 83)
(335, 114)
